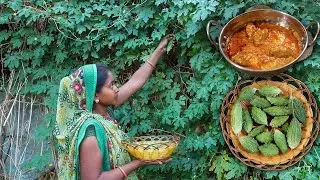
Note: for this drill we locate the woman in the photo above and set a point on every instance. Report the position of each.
(89, 140)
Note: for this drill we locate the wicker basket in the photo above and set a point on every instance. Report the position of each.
(158, 145)
(296, 155)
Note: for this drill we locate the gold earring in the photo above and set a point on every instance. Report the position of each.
(97, 100)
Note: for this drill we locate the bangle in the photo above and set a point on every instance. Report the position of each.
(150, 64)
(124, 173)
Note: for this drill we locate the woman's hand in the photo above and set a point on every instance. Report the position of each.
(157, 162)
(162, 47)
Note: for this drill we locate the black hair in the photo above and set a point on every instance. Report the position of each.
(102, 76)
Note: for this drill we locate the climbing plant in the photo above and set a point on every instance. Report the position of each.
(47, 40)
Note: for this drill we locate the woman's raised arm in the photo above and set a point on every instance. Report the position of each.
(142, 74)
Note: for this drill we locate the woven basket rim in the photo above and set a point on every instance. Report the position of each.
(161, 136)
(173, 139)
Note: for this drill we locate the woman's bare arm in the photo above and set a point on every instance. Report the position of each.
(142, 74)
(91, 163)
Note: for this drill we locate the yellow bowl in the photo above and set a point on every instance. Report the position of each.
(151, 148)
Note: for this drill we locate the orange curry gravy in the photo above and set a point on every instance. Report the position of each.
(264, 46)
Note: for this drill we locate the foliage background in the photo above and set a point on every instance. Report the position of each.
(47, 40)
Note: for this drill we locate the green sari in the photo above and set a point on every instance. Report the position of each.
(74, 116)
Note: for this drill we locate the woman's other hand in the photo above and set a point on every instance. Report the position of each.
(162, 47)
(156, 162)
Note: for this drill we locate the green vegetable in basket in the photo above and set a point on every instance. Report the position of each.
(236, 118)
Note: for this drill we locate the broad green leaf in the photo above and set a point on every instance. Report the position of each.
(16, 42)
(33, 40)
(145, 14)
(46, 40)
(204, 9)
(192, 28)
(15, 5)
(12, 61)
(94, 54)
(4, 35)
(158, 2)
(60, 56)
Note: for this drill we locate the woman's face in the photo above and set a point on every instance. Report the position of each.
(108, 94)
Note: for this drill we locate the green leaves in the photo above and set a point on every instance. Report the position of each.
(145, 14)
(192, 28)
(16, 42)
(40, 161)
(4, 35)
(59, 7)
(5, 16)
(46, 40)
(204, 9)
(12, 61)
(232, 10)
(32, 40)
(236, 169)
(60, 56)
(198, 60)
(158, 2)
(15, 5)
(185, 91)
(227, 167)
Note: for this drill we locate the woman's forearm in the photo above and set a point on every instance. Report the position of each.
(143, 73)
(138, 78)
(116, 174)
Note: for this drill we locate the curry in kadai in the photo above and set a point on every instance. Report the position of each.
(264, 46)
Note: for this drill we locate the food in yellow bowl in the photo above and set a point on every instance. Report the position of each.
(150, 149)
